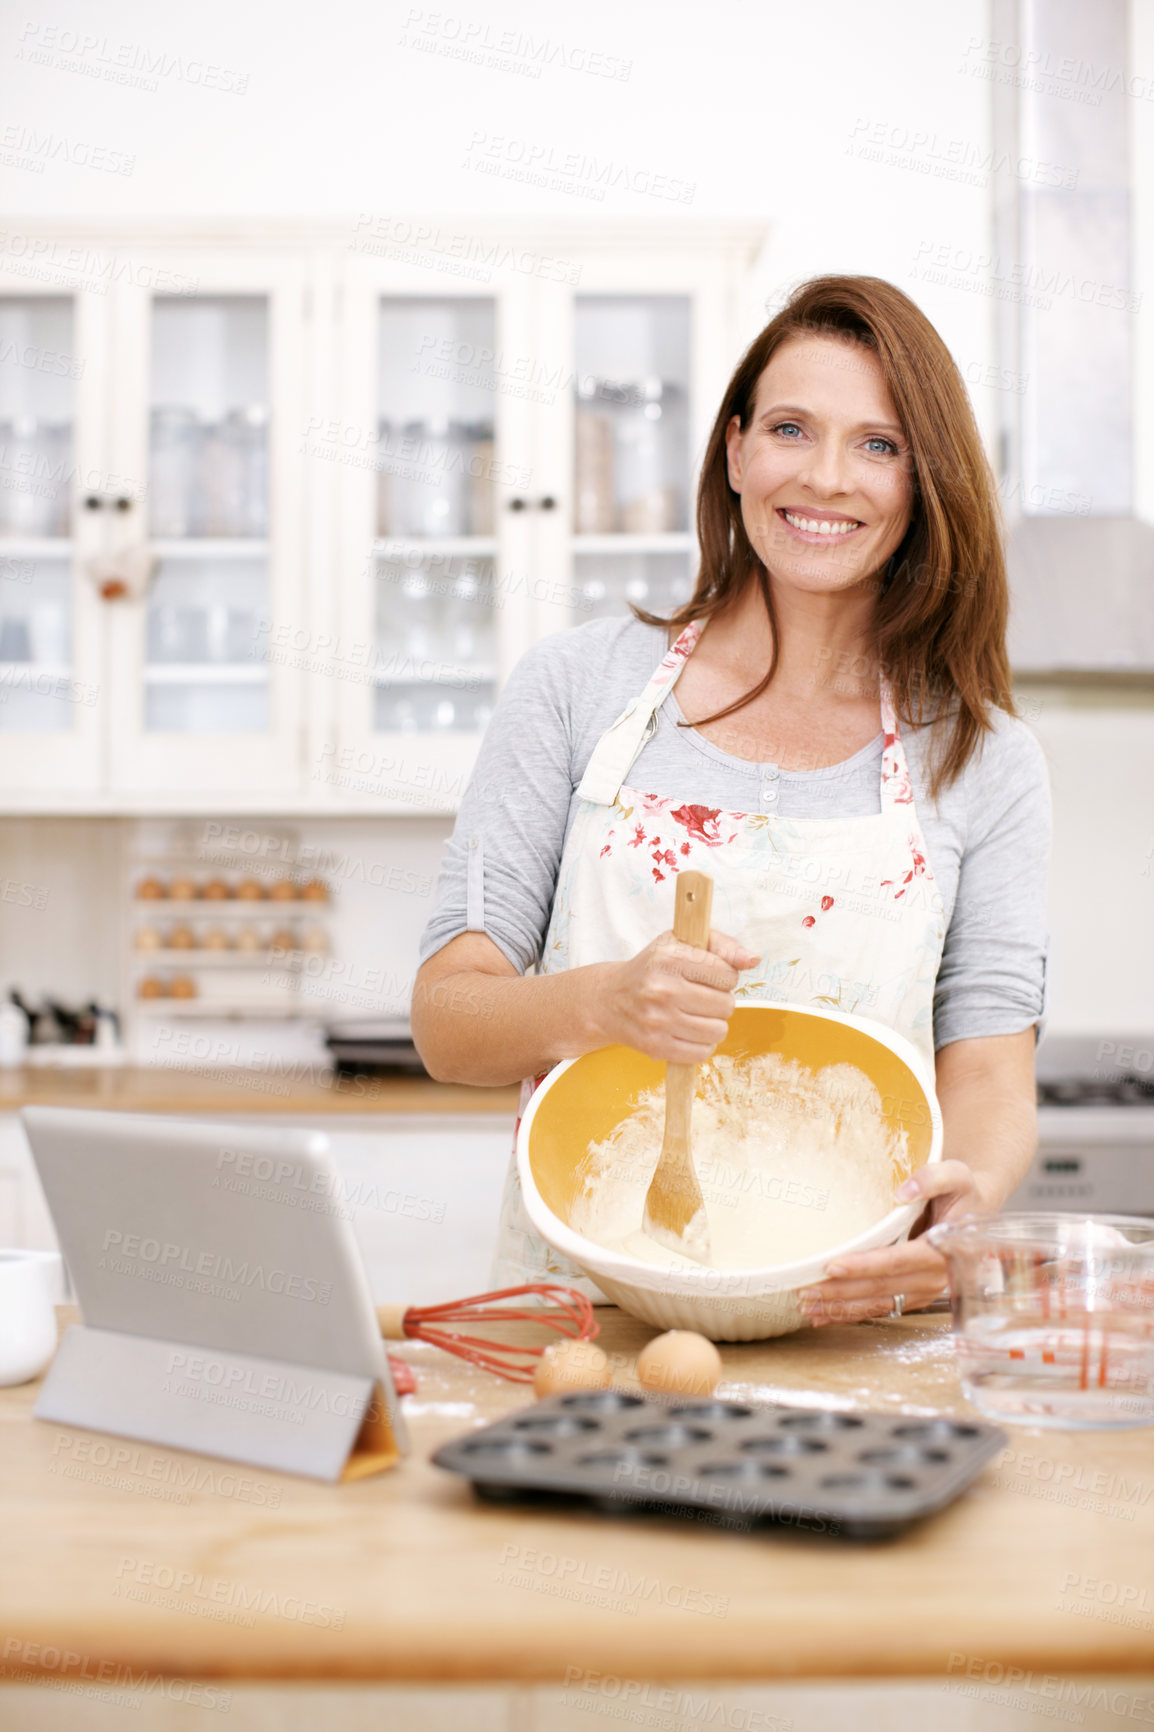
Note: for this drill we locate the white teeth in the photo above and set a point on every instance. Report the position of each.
(825, 526)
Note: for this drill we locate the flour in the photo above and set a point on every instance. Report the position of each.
(791, 1163)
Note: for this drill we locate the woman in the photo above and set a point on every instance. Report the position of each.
(827, 729)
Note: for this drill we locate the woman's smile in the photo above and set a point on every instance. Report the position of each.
(815, 526)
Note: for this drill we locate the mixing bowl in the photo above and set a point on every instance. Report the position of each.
(583, 1100)
(1054, 1316)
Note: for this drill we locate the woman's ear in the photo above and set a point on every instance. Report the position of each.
(733, 452)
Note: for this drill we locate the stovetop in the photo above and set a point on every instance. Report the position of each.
(1096, 1070)
(1126, 1091)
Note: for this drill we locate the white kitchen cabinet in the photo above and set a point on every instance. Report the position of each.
(338, 481)
(53, 452)
(210, 409)
(537, 446)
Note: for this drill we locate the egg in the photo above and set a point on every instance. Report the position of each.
(570, 1365)
(679, 1363)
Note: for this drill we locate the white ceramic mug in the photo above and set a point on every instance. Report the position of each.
(28, 1287)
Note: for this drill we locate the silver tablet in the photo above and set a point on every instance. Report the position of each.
(217, 1237)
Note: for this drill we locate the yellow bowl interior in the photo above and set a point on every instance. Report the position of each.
(592, 1097)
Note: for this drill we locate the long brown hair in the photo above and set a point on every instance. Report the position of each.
(942, 602)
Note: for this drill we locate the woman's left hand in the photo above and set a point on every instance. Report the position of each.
(867, 1284)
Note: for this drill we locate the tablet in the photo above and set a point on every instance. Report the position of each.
(225, 1238)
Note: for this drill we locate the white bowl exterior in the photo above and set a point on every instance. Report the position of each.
(723, 1304)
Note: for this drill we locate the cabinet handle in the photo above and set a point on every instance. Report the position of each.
(518, 504)
(92, 503)
(548, 503)
(124, 505)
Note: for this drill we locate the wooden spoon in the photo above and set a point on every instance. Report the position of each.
(674, 1207)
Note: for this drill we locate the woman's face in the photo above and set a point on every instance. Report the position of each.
(824, 468)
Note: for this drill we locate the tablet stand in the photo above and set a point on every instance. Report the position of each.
(269, 1413)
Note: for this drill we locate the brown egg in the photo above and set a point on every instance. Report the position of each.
(183, 890)
(250, 890)
(217, 939)
(249, 938)
(216, 890)
(182, 987)
(181, 938)
(316, 890)
(315, 939)
(151, 890)
(284, 890)
(679, 1363)
(150, 987)
(571, 1365)
(148, 938)
(284, 938)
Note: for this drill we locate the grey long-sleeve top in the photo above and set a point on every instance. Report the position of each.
(987, 836)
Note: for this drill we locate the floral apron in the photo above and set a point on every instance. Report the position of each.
(843, 912)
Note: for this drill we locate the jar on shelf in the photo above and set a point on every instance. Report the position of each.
(594, 509)
(648, 504)
(430, 479)
(59, 442)
(254, 463)
(173, 463)
(481, 448)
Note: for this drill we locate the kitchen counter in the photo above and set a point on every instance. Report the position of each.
(406, 1577)
(163, 1089)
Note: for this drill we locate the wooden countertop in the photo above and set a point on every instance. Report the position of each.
(164, 1089)
(406, 1577)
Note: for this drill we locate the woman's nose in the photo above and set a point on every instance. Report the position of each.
(824, 468)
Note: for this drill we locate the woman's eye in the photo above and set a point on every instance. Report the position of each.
(787, 428)
(881, 447)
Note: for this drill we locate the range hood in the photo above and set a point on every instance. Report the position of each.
(1081, 564)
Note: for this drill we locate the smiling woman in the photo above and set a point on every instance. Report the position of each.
(853, 778)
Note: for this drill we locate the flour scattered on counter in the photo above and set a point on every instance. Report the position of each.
(791, 1163)
(442, 1409)
(771, 1395)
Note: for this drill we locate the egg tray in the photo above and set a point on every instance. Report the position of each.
(861, 1475)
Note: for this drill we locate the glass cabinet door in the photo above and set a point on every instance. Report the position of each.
(632, 482)
(205, 668)
(434, 659)
(38, 372)
(210, 406)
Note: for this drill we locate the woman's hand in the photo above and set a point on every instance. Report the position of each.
(673, 1001)
(866, 1285)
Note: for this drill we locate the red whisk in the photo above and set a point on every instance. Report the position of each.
(571, 1314)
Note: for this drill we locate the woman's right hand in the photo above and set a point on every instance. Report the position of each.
(673, 1001)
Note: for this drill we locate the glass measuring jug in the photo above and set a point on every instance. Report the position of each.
(1054, 1316)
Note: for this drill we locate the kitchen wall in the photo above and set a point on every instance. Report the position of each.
(859, 142)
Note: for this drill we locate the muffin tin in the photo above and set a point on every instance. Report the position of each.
(861, 1475)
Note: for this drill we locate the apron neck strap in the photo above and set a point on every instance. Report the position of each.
(615, 752)
(897, 788)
